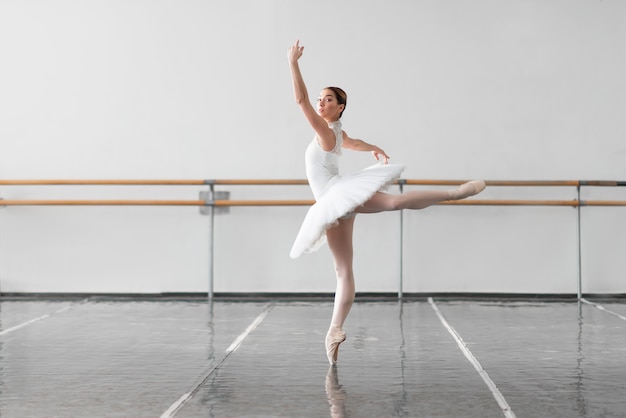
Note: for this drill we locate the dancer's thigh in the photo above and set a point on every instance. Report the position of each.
(380, 202)
(339, 238)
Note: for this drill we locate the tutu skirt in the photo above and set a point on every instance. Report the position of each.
(341, 196)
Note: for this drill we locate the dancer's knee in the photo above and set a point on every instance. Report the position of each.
(344, 273)
(394, 203)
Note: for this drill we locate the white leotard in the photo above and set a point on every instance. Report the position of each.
(336, 195)
(322, 167)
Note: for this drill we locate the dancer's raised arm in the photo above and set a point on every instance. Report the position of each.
(360, 145)
(325, 135)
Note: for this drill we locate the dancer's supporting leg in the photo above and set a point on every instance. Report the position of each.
(340, 244)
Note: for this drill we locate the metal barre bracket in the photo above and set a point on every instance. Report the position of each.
(209, 197)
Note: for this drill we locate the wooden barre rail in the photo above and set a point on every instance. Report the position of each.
(401, 182)
(257, 182)
(517, 183)
(100, 202)
(223, 203)
(277, 182)
(103, 182)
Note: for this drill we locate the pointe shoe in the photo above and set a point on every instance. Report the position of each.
(333, 339)
(468, 189)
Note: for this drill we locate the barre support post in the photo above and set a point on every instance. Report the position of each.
(401, 183)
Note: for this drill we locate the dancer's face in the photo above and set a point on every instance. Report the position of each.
(328, 107)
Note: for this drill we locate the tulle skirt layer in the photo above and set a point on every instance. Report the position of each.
(340, 198)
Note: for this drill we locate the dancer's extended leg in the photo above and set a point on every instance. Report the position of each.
(419, 199)
(340, 244)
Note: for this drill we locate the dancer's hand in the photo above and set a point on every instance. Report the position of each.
(378, 153)
(295, 52)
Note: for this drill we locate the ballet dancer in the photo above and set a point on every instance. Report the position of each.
(340, 197)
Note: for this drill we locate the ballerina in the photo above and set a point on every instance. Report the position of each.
(340, 197)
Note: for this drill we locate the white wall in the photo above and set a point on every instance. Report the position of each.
(200, 90)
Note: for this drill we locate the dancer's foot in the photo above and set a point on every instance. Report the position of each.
(334, 337)
(468, 189)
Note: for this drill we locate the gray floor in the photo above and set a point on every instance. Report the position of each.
(422, 358)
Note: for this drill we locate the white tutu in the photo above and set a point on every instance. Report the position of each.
(341, 196)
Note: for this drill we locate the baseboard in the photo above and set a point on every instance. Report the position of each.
(293, 296)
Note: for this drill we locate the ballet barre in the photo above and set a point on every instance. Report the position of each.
(286, 182)
(235, 203)
(121, 182)
(211, 200)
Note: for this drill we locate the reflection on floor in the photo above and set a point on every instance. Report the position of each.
(102, 357)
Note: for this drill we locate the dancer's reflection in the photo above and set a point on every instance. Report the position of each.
(336, 394)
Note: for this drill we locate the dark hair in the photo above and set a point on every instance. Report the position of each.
(341, 96)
